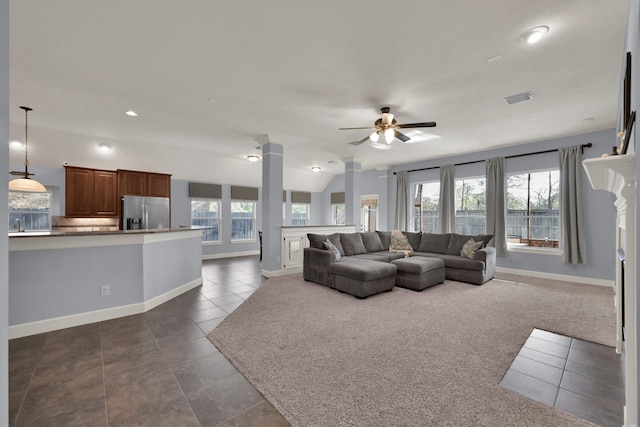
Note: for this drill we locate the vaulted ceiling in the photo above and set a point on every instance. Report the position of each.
(211, 80)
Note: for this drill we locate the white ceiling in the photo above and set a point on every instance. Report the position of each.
(210, 78)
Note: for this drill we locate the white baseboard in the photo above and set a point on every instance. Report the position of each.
(230, 254)
(553, 276)
(55, 323)
(161, 299)
(277, 273)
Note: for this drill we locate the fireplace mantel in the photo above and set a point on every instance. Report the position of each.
(612, 173)
(617, 174)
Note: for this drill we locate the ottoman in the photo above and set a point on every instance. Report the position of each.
(362, 278)
(418, 273)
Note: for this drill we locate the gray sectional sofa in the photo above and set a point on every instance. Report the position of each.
(364, 265)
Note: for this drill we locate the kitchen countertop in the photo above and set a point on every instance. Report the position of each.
(59, 233)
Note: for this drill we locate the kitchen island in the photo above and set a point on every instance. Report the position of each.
(67, 279)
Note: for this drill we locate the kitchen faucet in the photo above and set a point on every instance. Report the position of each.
(17, 225)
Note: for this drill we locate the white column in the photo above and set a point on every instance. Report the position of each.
(352, 192)
(272, 183)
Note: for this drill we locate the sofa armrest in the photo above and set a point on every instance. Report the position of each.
(488, 256)
(316, 265)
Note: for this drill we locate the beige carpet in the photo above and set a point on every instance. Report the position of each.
(402, 358)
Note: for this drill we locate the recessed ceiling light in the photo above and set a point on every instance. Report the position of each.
(16, 144)
(589, 119)
(535, 34)
(333, 162)
(104, 147)
(253, 158)
(316, 168)
(494, 58)
(131, 113)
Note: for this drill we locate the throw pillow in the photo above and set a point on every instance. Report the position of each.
(399, 243)
(470, 248)
(372, 242)
(329, 246)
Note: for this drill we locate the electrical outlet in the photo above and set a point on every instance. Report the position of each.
(105, 290)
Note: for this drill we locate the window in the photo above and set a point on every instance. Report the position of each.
(206, 213)
(424, 212)
(29, 211)
(337, 214)
(299, 214)
(470, 206)
(533, 205)
(243, 219)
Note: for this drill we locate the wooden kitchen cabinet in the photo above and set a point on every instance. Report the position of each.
(135, 183)
(90, 192)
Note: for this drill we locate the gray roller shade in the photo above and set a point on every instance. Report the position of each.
(206, 191)
(337, 198)
(244, 193)
(300, 197)
(284, 196)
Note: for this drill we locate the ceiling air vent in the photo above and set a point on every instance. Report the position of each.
(526, 96)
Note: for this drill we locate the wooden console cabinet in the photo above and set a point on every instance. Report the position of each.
(91, 192)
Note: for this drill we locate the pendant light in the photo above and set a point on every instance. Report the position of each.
(25, 183)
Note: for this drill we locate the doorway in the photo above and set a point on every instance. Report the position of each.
(369, 213)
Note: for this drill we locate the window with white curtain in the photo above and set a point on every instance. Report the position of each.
(533, 209)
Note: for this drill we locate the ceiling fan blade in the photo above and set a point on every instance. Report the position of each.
(368, 127)
(416, 125)
(362, 141)
(402, 137)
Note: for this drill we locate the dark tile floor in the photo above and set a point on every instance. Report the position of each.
(152, 369)
(578, 377)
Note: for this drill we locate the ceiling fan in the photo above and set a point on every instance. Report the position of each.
(387, 126)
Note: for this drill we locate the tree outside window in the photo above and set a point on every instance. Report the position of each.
(243, 218)
(533, 209)
(424, 211)
(470, 206)
(205, 213)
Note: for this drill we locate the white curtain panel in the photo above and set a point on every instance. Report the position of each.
(400, 222)
(574, 247)
(447, 202)
(496, 208)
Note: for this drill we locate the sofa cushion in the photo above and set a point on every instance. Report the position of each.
(389, 256)
(434, 243)
(470, 248)
(414, 239)
(371, 257)
(385, 238)
(457, 241)
(455, 261)
(316, 240)
(335, 239)
(352, 244)
(363, 270)
(372, 242)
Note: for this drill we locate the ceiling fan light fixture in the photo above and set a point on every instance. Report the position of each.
(253, 158)
(374, 136)
(316, 168)
(535, 34)
(389, 134)
(25, 183)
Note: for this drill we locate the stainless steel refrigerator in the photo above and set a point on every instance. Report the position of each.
(144, 213)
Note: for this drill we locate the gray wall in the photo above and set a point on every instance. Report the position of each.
(599, 209)
(4, 243)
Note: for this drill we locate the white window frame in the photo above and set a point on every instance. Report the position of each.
(514, 247)
(474, 230)
(219, 203)
(335, 216)
(253, 228)
(416, 221)
(307, 220)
